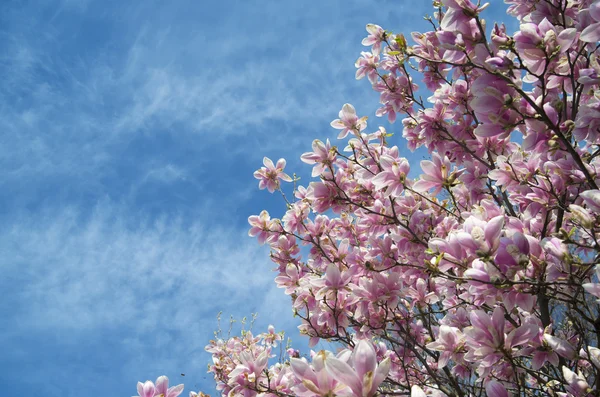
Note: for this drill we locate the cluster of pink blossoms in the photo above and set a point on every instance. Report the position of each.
(480, 277)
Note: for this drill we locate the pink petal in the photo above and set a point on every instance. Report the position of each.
(343, 373)
(300, 368)
(383, 369)
(493, 229)
(430, 168)
(333, 275)
(422, 186)
(365, 358)
(495, 389)
(562, 347)
(175, 391)
(592, 199)
(498, 321)
(268, 162)
(162, 385)
(566, 37)
(348, 112)
(148, 389)
(521, 335)
(591, 34)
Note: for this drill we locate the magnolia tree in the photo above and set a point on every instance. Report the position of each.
(480, 277)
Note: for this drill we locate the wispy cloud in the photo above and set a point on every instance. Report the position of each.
(151, 288)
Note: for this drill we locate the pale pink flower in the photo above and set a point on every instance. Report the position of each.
(271, 337)
(437, 174)
(262, 225)
(367, 66)
(146, 389)
(393, 175)
(270, 174)
(349, 121)
(366, 376)
(487, 339)
(163, 389)
(250, 365)
(323, 156)
(375, 37)
(587, 123)
(314, 379)
(459, 13)
(449, 341)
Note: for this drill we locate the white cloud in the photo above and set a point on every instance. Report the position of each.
(154, 285)
(108, 269)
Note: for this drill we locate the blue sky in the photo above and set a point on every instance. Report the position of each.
(129, 132)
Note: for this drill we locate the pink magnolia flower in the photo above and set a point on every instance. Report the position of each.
(543, 355)
(163, 389)
(555, 247)
(437, 174)
(314, 379)
(491, 95)
(367, 66)
(459, 13)
(587, 123)
(594, 355)
(375, 37)
(262, 225)
(487, 339)
(271, 337)
(535, 41)
(366, 376)
(322, 156)
(449, 342)
(349, 121)
(249, 364)
(393, 175)
(270, 174)
(581, 215)
(146, 389)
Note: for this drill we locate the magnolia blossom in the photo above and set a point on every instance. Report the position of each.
(160, 389)
(348, 121)
(393, 175)
(363, 374)
(270, 174)
(375, 37)
(437, 174)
